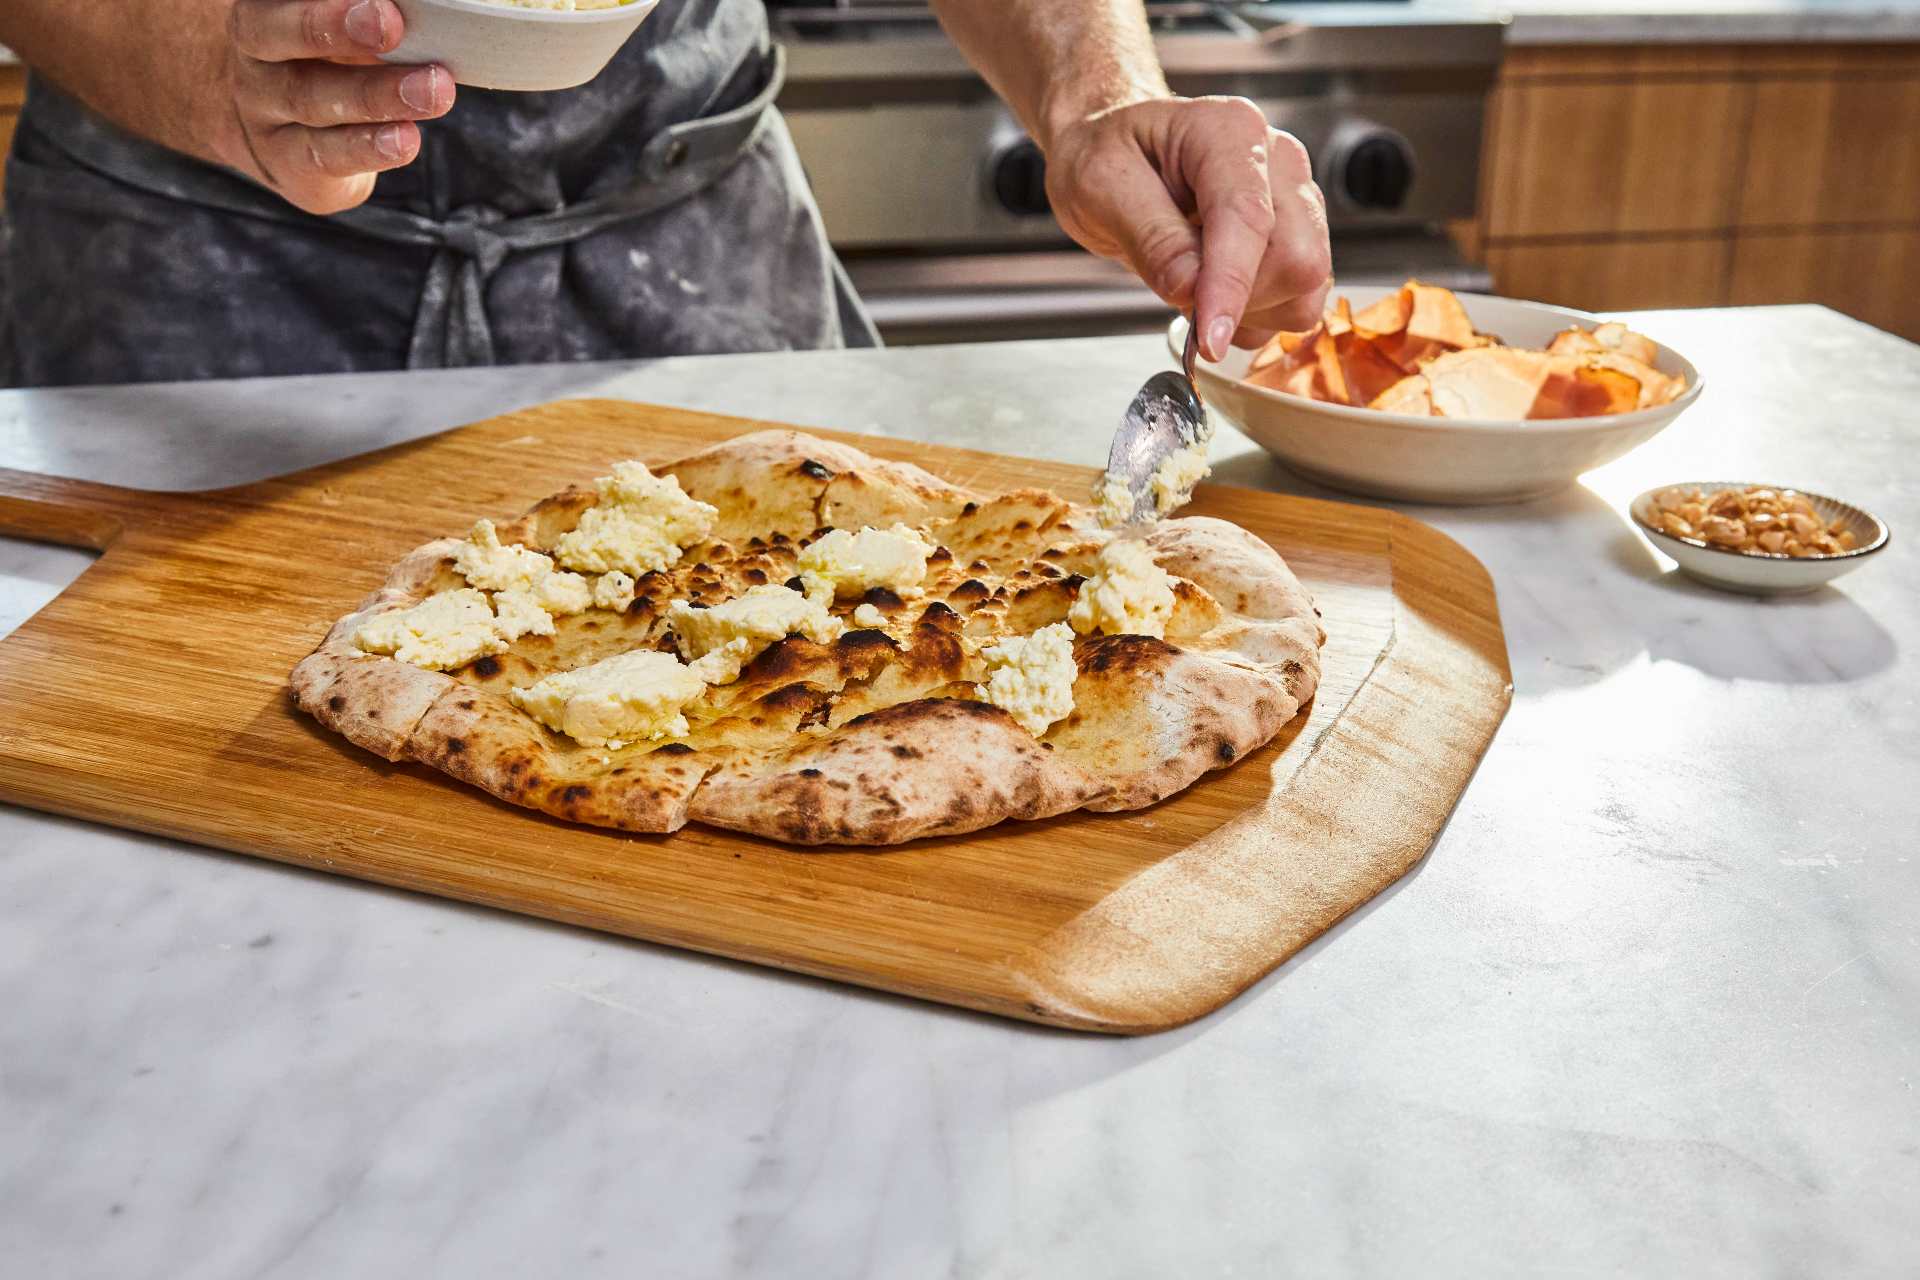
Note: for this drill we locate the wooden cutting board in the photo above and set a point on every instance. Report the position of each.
(152, 695)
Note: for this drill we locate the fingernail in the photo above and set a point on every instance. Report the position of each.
(390, 140)
(416, 89)
(363, 24)
(1219, 337)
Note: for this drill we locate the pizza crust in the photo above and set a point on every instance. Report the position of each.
(873, 739)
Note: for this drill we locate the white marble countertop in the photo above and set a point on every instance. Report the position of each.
(1650, 1006)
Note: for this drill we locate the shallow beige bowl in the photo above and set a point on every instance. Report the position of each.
(496, 46)
(1763, 574)
(1450, 460)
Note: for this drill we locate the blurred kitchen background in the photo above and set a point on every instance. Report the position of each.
(1606, 154)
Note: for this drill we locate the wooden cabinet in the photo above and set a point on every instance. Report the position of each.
(1667, 176)
(1596, 161)
(1870, 275)
(13, 91)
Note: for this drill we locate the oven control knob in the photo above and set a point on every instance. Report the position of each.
(1020, 180)
(1376, 172)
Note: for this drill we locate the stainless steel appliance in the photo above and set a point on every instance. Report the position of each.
(936, 198)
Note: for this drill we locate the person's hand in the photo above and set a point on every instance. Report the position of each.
(318, 116)
(1214, 210)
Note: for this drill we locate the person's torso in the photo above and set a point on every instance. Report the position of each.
(527, 153)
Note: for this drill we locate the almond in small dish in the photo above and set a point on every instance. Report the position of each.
(1755, 520)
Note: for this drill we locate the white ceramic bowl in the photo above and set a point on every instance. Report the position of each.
(1763, 574)
(1450, 460)
(497, 46)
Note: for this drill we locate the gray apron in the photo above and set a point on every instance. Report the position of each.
(659, 210)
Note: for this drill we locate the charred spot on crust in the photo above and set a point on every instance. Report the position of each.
(755, 576)
(865, 640)
(1125, 654)
(921, 710)
(795, 583)
(456, 745)
(979, 566)
(756, 544)
(1290, 668)
(674, 749)
(904, 752)
(1225, 751)
(816, 470)
(467, 705)
(1022, 525)
(1033, 590)
(1074, 581)
(574, 795)
(882, 598)
(971, 589)
(816, 717)
(969, 509)
(940, 614)
(811, 773)
(517, 768)
(486, 668)
(790, 697)
(934, 649)
(940, 556)
(785, 659)
(337, 703)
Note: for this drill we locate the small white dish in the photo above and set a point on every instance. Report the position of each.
(498, 46)
(1445, 460)
(1761, 573)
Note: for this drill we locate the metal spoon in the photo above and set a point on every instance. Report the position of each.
(1164, 418)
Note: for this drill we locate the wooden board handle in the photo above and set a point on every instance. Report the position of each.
(70, 513)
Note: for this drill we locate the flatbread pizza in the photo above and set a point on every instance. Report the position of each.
(786, 636)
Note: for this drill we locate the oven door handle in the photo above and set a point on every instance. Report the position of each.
(983, 306)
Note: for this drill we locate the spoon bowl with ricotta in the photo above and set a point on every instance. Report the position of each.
(518, 44)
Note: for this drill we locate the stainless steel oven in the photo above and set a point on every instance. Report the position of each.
(936, 199)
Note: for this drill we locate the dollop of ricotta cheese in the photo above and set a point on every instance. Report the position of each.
(868, 616)
(1112, 502)
(613, 591)
(1174, 478)
(642, 523)
(518, 612)
(488, 565)
(1128, 594)
(757, 619)
(1031, 677)
(846, 564)
(563, 593)
(636, 696)
(446, 630)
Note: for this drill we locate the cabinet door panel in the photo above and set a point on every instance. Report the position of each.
(1618, 275)
(1833, 152)
(1870, 275)
(1596, 158)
